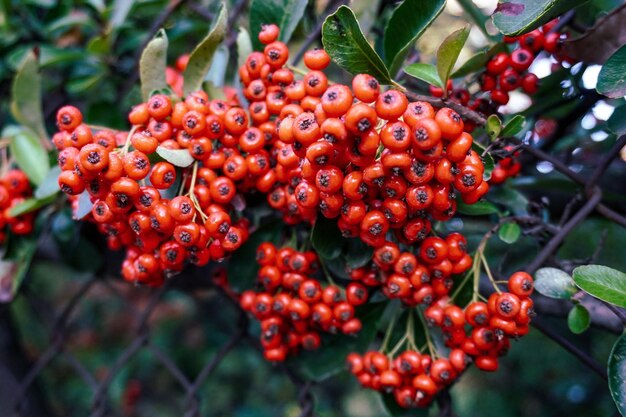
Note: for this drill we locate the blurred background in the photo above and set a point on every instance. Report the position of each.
(75, 313)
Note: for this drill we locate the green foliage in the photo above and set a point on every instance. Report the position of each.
(425, 72)
(449, 51)
(178, 157)
(28, 152)
(612, 80)
(513, 126)
(326, 238)
(493, 126)
(509, 232)
(605, 283)
(554, 283)
(578, 319)
(515, 17)
(26, 96)
(284, 13)
(617, 374)
(152, 65)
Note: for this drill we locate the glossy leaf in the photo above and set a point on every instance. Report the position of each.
(554, 283)
(406, 24)
(202, 55)
(358, 254)
(515, 17)
(347, 46)
(284, 13)
(29, 153)
(493, 127)
(326, 238)
(449, 51)
(26, 96)
(425, 72)
(602, 282)
(480, 208)
(612, 77)
(509, 233)
(617, 121)
(30, 205)
(617, 374)
(477, 62)
(487, 159)
(179, 157)
(513, 126)
(578, 319)
(152, 65)
(50, 184)
(242, 267)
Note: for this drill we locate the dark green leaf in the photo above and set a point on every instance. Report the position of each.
(326, 238)
(242, 267)
(513, 126)
(30, 204)
(346, 45)
(284, 13)
(488, 161)
(50, 184)
(510, 198)
(15, 265)
(478, 61)
(449, 51)
(152, 65)
(28, 152)
(480, 208)
(515, 17)
(617, 121)
(617, 374)
(602, 282)
(554, 283)
(26, 96)
(179, 157)
(578, 319)
(612, 77)
(476, 15)
(63, 226)
(358, 254)
(509, 233)
(330, 358)
(406, 24)
(424, 72)
(202, 55)
(493, 127)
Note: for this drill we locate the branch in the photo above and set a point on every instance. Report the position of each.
(605, 162)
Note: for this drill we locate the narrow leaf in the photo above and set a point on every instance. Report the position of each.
(152, 65)
(612, 78)
(554, 283)
(30, 205)
(449, 51)
(480, 208)
(515, 17)
(425, 72)
(346, 45)
(602, 282)
(513, 126)
(406, 24)
(201, 57)
(29, 154)
(578, 319)
(493, 127)
(26, 96)
(617, 374)
(509, 233)
(284, 13)
(179, 157)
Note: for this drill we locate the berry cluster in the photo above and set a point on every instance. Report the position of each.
(14, 189)
(417, 279)
(505, 168)
(369, 158)
(130, 193)
(293, 307)
(478, 333)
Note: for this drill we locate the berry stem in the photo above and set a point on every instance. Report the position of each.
(390, 327)
(429, 342)
(488, 271)
(126, 146)
(329, 278)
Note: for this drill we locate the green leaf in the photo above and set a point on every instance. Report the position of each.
(152, 65)
(480, 208)
(612, 77)
(493, 127)
(406, 24)
(13, 269)
(326, 238)
(330, 358)
(358, 254)
(343, 40)
(617, 374)
(476, 15)
(617, 121)
(50, 184)
(602, 282)
(244, 46)
(26, 96)
(29, 153)
(510, 198)
(513, 126)
(449, 51)
(179, 157)
(84, 206)
(515, 17)
(120, 11)
(554, 283)
(425, 72)
(477, 62)
(578, 319)
(284, 13)
(242, 267)
(509, 233)
(487, 159)
(202, 55)
(30, 204)
(217, 72)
